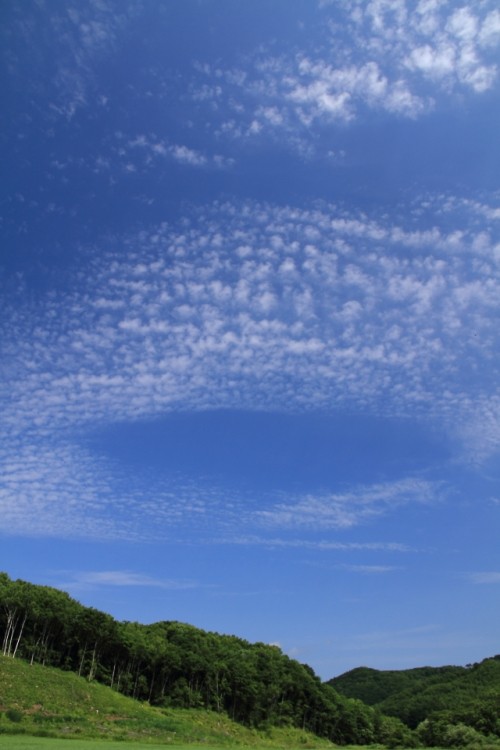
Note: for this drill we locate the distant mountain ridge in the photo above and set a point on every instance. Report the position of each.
(374, 686)
(469, 694)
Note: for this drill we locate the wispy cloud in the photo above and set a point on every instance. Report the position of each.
(81, 580)
(154, 149)
(53, 487)
(484, 577)
(87, 34)
(316, 544)
(50, 488)
(371, 569)
(346, 510)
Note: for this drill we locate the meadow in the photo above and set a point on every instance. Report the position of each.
(46, 743)
(13, 742)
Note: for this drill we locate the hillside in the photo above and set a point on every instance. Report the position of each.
(68, 669)
(49, 702)
(373, 686)
(467, 694)
(174, 665)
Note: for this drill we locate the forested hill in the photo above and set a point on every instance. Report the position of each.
(374, 686)
(470, 694)
(171, 664)
(177, 665)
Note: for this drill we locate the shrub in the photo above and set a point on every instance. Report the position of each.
(438, 732)
(461, 735)
(14, 715)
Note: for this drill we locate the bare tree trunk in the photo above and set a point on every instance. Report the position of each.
(20, 635)
(10, 630)
(93, 663)
(151, 686)
(82, 660)
(7, 637)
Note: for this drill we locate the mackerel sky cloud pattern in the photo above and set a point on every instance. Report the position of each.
(255, 307)
(249, 315)
(394, 56)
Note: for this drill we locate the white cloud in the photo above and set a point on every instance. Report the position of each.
(485, 577)
(436, 63)
(55, 491)
(489, 34)
(325, 545)
(93, 579)
(370, 569)
(151, 150)
(364, 321)
(349, 509)
(463, 25)
(399, 57)
(187, 155)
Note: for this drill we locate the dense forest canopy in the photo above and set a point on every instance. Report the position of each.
(431, 698)
(178, 665)
(174, 664)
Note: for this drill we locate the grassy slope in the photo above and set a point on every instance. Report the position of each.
(61, 704)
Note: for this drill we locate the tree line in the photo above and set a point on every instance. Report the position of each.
(447, 706)
(178, 665)
(173, 664)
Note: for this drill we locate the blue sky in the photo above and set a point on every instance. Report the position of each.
(250, 313)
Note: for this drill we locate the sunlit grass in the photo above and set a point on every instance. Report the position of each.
(42, 707)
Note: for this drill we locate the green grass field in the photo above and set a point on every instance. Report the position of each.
(16, 742)
(46, 743)
(42, 707)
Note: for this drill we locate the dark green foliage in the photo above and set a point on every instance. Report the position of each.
(60, 704)
(439, 731)
(373, 686)
(14, 715)
(171, 664)
(451, 706)
(393, 733)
